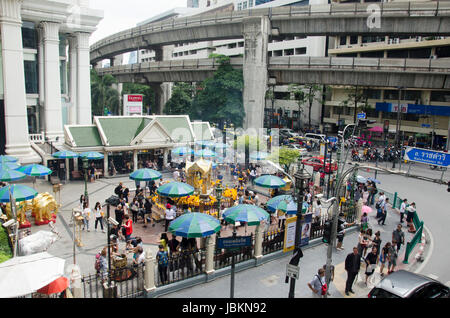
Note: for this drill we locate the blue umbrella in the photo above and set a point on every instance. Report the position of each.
(92, 155)
(206, 153)
(373, 180)
(194, 224)
(9, 165)
(206, 143)
(65, 154)
(270, 181)
(6, 158)
(145, 174)
(18, 191)
(259, 155)
(251, 214)
(8, 175)
(182, 151)
(35, 170)
(284, 203)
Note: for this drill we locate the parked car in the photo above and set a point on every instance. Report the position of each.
(289, 132)
(318, 162)
(320, 138)
(303, 151)
(404, 284)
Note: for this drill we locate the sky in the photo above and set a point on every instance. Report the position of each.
(122, 15)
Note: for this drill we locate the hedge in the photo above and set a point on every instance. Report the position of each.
(5, 248)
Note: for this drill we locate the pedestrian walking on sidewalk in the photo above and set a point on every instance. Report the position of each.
(134, 207)
(86, 216)
(163, 262)
(403, 207)
(398, 237)
(384, 256)
(371, 262)
(392, 259)
(410, 216)
(383, 214)
(352, 266)
(376, 242)
(318, 285)
(98, 213)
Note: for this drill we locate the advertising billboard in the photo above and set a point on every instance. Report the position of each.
(132, 104)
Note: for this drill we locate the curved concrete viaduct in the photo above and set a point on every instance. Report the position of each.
(412, 73)
(400, 18)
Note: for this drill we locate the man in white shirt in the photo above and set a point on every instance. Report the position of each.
(170, 214)
(403, 209)
(176, 175)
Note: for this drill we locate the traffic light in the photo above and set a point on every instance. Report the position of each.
(327, 232)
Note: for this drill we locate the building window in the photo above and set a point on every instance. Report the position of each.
(63, 75)
(391, 94)
(343, 40)
(300, 51)
(250, 3)
(239, 6)
(29, 35)
(282, 95)
(289, 52)
(411, 95)
(278, 53)
(244, 5)
(353, 39)
(31, 77)
(62, 45)
(440, 96)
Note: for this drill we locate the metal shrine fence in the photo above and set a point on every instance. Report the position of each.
(127, 282)
(183, 265)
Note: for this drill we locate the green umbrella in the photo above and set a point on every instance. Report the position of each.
(65, 154)
(175, 190)
(8, 175)
(35, 170)
(194, 225)
(5, 158)
(251, 214)
(270, 181)
(9, 165)
(92, 155)
(145, 175)
(18, 191)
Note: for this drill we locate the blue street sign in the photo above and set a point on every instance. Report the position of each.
(361, 115)
(426, 125)
(436, 158)
(233, 242)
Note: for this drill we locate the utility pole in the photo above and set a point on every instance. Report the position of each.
(397, 127)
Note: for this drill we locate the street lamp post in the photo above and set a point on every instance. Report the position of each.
(85, 168)
(301, 177)
(219, 191)
(397, 127)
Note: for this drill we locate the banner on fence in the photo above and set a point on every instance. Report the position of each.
(306, 229)
(289, 234)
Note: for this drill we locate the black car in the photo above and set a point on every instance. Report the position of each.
(404, 284)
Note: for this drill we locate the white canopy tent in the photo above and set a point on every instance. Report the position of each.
(23, 275)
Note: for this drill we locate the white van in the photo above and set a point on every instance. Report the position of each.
(320, 138)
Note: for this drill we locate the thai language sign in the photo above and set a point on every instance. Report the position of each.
(437, 158)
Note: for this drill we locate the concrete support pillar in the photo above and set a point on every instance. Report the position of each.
(159, 98)
(73, 80)
(256, 37)
(135, 160)
(52, 85)
(448, 135)
(149, 273)
(105, 164)
(210, 247)
(16, 121)
(165, 157)
(259, 240)
(83, 99)
(67, 170)
(159, 53)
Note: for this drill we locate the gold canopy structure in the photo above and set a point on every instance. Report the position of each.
(198, 175)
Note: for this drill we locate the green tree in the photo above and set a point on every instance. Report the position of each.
(180, 103)
(219, 98)
(285, 157)
(141, 89)
(305, 94)
(103, 94)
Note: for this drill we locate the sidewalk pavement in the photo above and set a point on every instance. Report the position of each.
(271, 274)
